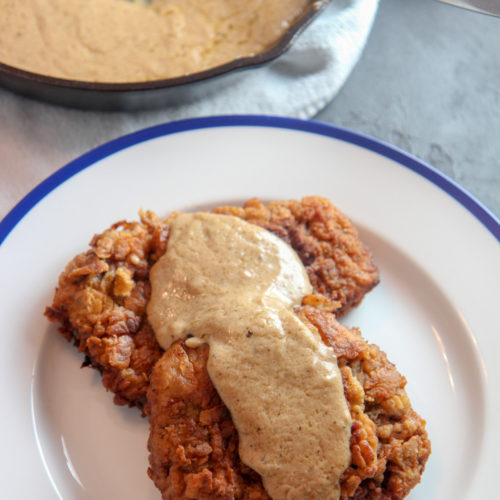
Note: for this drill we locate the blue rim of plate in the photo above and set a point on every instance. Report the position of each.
(475, 207)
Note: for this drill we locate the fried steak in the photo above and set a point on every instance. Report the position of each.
(100, 303)
(193, 443)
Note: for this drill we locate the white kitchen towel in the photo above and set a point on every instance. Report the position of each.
(38, 138)
(302, 81)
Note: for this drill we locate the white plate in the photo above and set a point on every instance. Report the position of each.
(435, 311)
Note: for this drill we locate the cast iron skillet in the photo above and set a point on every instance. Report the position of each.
(151, 94)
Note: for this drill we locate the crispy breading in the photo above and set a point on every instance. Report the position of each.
(104, 314)
(101, 298)
(340, 267)
(193, 443)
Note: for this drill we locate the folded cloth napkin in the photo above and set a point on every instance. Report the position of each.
(302, 81)
(38, 138)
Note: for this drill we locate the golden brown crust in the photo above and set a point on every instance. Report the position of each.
(100, 303)
(339, 265)
(193, 442)
(389, 443)
(102, 294)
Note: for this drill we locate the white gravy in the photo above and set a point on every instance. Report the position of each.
(119, 41)
(233, 285)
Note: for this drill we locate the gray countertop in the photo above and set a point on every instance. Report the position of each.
(428, 82)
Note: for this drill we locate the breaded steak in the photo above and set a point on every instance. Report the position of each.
(100, 303)
(194, 445)
(101, 298)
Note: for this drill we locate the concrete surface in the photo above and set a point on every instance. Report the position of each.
(429, 82)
